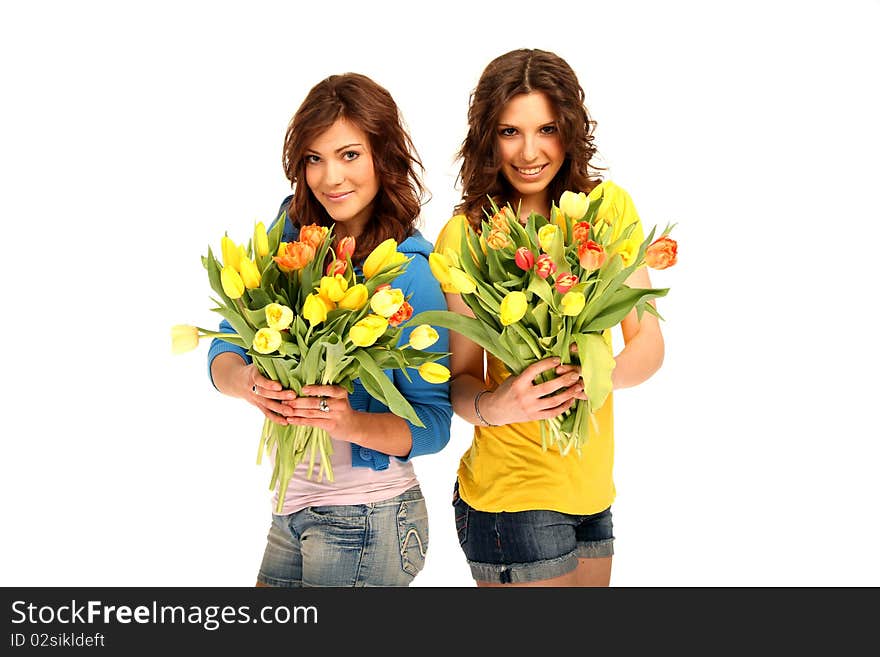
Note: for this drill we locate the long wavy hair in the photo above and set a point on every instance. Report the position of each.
(520, 72)
(358, 99)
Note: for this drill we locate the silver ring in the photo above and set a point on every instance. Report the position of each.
(254, 388)
(323, 406)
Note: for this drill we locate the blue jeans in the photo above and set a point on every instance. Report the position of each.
(529, 546)
(377, 544)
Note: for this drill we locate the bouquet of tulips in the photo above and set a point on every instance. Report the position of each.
(305, 316)
(551, 288)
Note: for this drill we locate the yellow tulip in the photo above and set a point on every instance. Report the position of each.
(574, 205)
(266, 340)
(434, 372)
(278, 317)
(231, 254)
(365, 332)
(355, 297)
(333, 287)
(261, 240)
(232, 284)
(452, 256)
(379, 257)
(184, 338)
(628, 250)
(461, 281)
(573, 303)
(423, 336)
(386, 301)
(546, 235)
(439, 264)
(513, 307)
(250, 274)
(315, 308)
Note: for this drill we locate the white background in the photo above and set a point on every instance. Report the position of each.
(133, 136)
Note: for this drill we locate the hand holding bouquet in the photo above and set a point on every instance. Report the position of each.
(552, 288)
(306, 316)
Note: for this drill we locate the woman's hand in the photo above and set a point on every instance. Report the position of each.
(519, 399)
(325, 407)
(265, 394)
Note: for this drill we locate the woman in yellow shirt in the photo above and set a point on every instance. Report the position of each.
(525, 516)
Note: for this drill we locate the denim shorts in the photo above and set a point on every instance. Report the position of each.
(377, 544)
(529, 546)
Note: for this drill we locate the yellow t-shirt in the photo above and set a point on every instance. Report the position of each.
(506, 468)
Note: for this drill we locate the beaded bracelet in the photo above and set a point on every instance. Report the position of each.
(477, 408)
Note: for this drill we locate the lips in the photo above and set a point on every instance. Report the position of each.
(338, 196)
(530, 172)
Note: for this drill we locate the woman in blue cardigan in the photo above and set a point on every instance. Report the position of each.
(352, 166)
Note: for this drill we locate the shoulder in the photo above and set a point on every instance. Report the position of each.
(450, 235)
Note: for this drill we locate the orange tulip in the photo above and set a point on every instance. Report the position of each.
(293, 256)
(591, 255)
(313, 235)
(662, 253)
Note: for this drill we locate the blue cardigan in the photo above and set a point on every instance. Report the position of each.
(429, 400)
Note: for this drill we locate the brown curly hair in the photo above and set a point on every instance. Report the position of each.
(360, 100)
(520, 72)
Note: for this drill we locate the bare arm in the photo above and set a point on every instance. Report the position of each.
(642, 354)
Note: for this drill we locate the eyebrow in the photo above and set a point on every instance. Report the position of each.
(511, 125)
(338, 150)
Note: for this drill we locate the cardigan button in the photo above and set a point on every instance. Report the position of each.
(366, 454)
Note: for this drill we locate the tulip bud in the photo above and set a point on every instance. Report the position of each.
(184, 338)
(403, 313)
(581, 231)
(379, 257)
(313, 235)
(434, 372)
(461, 281)
(336, 267)
(564, 282)
(266, 340)
(662, 253)
(232, 284)
(544, 266)
(628, 249)
(386, 302)
(513, 307)
(230, 252)
(315, 309)
(573, 303)
(497, 239)
(574, 205)
(278, 317)
(524, 258)
(250, 273)
(261, 240)
(345, 248)
(355, 297)
(365, 332)
(591, 255)
(333, 287)
(546, 234)
(423, 336)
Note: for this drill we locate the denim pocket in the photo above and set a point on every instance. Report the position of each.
(412, 534)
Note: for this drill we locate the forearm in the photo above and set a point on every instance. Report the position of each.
(226, 373)
(637, 362)
(463, 390)
(383, 432)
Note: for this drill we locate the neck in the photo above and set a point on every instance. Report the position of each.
(537, 203)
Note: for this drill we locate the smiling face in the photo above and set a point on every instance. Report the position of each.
(531, 149)
(340, 173)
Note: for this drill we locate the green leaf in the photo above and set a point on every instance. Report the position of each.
(471, 328)
(597, 363)
(619, 306)
(381, 387)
